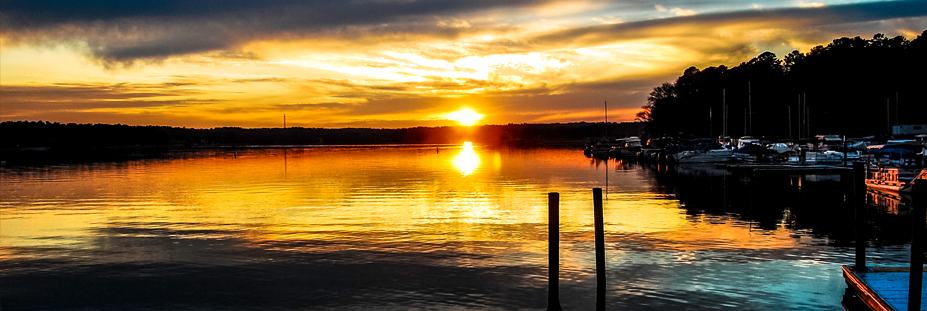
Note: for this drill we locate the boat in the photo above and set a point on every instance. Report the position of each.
(704, 151)
(746, 141)
(830, 157)
(893, 179)
(704, 156)
(829, 142)
(826, 150)
(895, 153)
(599, 149)
(602, 148)
(654, 148)
(628, 147)
(754, 153)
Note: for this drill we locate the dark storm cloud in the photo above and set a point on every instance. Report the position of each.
(310, 13)
(792, 18)
(127, 30)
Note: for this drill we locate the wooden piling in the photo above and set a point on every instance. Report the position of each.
(916, 272)
(599, 249)
(553, 252)
(859, 202)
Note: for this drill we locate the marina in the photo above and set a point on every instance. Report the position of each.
(882, 181)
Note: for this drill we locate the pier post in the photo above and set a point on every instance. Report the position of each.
(599, 249)
(553, 252)
(916, 270)
(845, 148)
(859, 202)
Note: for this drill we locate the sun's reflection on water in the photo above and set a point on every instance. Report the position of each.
(387, 196)
(467, 160)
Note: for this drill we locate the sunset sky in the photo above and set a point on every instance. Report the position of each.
(390, 63)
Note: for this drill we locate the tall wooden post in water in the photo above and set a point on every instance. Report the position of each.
(599, 249)
(916, 274)
(553, 251)
(859, 202)
(845, 150)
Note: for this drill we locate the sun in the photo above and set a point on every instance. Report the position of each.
(465, 116)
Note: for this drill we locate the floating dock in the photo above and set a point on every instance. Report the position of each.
(882, 288)
(787, 168)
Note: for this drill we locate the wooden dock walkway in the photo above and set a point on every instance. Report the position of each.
(883, 288)
(786, 168)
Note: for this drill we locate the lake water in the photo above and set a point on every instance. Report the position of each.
(422, 228)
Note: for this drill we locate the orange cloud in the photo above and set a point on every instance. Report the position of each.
(531, 61)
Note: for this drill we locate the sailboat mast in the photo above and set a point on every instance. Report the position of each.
(750, 108)
(798, 116)
(804, 116)
(606, 120)
(724, 111)
(888, 118)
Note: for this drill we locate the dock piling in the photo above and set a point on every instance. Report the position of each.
(553, 249)
(916, 269)
(858, 176)
(599, 249)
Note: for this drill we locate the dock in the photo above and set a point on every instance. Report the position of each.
(887, 288)
(792, 169)
(882, 287)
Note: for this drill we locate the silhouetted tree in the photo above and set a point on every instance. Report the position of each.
(851, 86)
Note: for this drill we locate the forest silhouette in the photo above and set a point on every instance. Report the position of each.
(852, 86)
(38, 142)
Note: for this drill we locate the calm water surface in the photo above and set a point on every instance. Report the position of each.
(421, 227)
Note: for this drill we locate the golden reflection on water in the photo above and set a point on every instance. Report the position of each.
(396, 199)
(467, 160)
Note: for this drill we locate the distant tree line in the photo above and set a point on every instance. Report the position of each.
(852, 86)
(31, 134)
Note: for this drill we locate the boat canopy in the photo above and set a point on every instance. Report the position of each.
(901, 149)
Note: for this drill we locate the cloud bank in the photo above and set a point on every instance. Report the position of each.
(343, 63)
